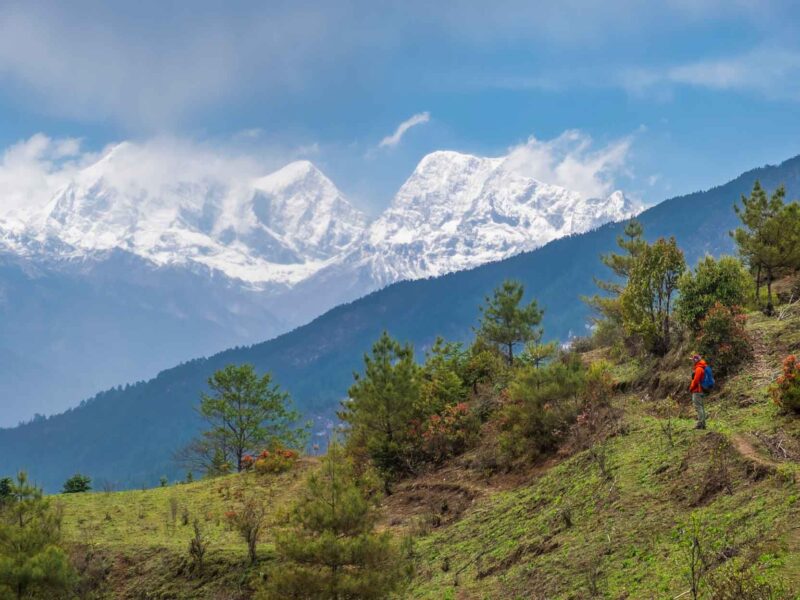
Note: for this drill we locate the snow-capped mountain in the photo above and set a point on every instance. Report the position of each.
(458, 211)
(276, 229)
(133, 265)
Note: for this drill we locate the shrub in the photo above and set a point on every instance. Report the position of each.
(278, 460)
(32, 561)
(723, 339)
(724, 281)
(484, 365)
(248, 520)
(330, 547)
(449, 433)
(543, 402)
(76, 484)
(198, 546)
(5, 489)
(736, 582)
(786, 390)
(599, 383)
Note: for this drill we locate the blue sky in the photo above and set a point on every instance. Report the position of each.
(657, 98)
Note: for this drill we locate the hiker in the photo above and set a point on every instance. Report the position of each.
(702, 382)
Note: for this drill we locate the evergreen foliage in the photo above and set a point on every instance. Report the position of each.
(77, 483)
(647, 299)
(537, 354)
(244, 413)
(769, 241)
(382, 403)
(506, 322)
(723, 281)
(442, 380)
(632, 243)
(32, 564)
(331, 549)
(543, 402)
(5, 489)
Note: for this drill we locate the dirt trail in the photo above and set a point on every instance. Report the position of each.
(760, 464)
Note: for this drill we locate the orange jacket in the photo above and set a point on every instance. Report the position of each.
(699, 372)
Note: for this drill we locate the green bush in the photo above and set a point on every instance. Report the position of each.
(724, 281)
(723, 340)
(76, 484)
(330, 547)
(542, 404)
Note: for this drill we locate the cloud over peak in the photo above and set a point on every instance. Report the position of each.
(571, 160)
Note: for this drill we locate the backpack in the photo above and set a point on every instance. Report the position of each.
(708, 379)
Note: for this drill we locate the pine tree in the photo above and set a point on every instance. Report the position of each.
(245, 413)
(5, 489)
(442, 377)
(607, 305)
(769, 240)
(331, 550)
(382, 403)
(505, 322)
(32, 565)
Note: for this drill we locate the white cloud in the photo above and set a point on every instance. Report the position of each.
(571, 161)
(392, 140)
(150, 67)
(153, 65)
(768, 71)
(32, 169)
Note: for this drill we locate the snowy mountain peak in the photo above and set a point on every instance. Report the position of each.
(457, 211)
(274, 229)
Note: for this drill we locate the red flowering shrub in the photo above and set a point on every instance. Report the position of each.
(247, 462)
(723, 340)
(278, 460)
(786, 390)
(449, 433)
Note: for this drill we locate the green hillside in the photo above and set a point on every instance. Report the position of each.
(557, 528)
(126, 436)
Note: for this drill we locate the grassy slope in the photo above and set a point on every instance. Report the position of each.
(516, 542)
(135, 531)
